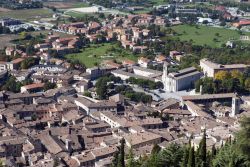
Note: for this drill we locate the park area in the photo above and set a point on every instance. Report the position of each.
(204, 35)
(98, 53)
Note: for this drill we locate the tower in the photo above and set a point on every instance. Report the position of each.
(165, 71)
(165, 74)
(235, 106)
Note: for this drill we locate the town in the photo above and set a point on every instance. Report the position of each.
(96, 83)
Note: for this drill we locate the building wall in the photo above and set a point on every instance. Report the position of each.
(208, 71)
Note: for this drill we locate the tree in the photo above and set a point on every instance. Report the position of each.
(228, 156)
(185, 157)
(172, 155)
(191, 157)
(115, 160)
(222, 75)
(202, 150)
(243, 137)
(87, 93)
(12, 85)
(131, 161)
(48, 86)
(247, 84)
(102, 90)
(121, 158)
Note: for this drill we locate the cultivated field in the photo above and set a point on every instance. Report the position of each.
(203, 35)
(96, 54)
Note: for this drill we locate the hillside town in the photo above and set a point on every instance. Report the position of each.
(65, 102)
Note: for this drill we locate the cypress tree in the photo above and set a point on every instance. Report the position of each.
(213, 151)
(191, 157)
(202, 151)
(121, 161)
(185, 157)
(115, 160)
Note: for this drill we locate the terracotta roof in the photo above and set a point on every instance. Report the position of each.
(18, 60)
(33, 86)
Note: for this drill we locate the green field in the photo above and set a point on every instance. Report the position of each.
(96, 54)
(201, 35)
(29, 14)
(80, 5)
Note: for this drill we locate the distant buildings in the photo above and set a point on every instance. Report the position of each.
(9, 22)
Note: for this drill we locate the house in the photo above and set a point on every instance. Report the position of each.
(81, 86)
(3, 66)
(160, 21)
(144, 62)
(15, 64)
(90, 105)
(10, 51)
(141, 139)
(175, 55)
(160, 58)
(32, 88)
(241, 23)
(128, 63)
(138, 49)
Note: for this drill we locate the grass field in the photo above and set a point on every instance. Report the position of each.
(96, 54)
(29, 14)
(201, 35)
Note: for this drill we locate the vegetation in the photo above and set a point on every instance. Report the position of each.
(225, 82)
(145, 83)
(232, 154)
(16, 5)
(199, 35)
(29, 62)
(128, 92)
(12, 85)
(95, 54)
(102, 85)
(49, 85)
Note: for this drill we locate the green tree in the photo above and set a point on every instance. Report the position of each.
(172, 155)
(48, 86)
(115, 160)
(191, 157)
(243, 137)
(87, 93)
(228, 156)
(121, 158)
(131, 160)
(201, 159)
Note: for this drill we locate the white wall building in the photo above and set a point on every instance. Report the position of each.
(181, 80)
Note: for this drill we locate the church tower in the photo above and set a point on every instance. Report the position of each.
(165, 74)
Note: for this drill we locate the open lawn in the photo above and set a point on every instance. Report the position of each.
(28, 14)
(201, 35)
(96, 54)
